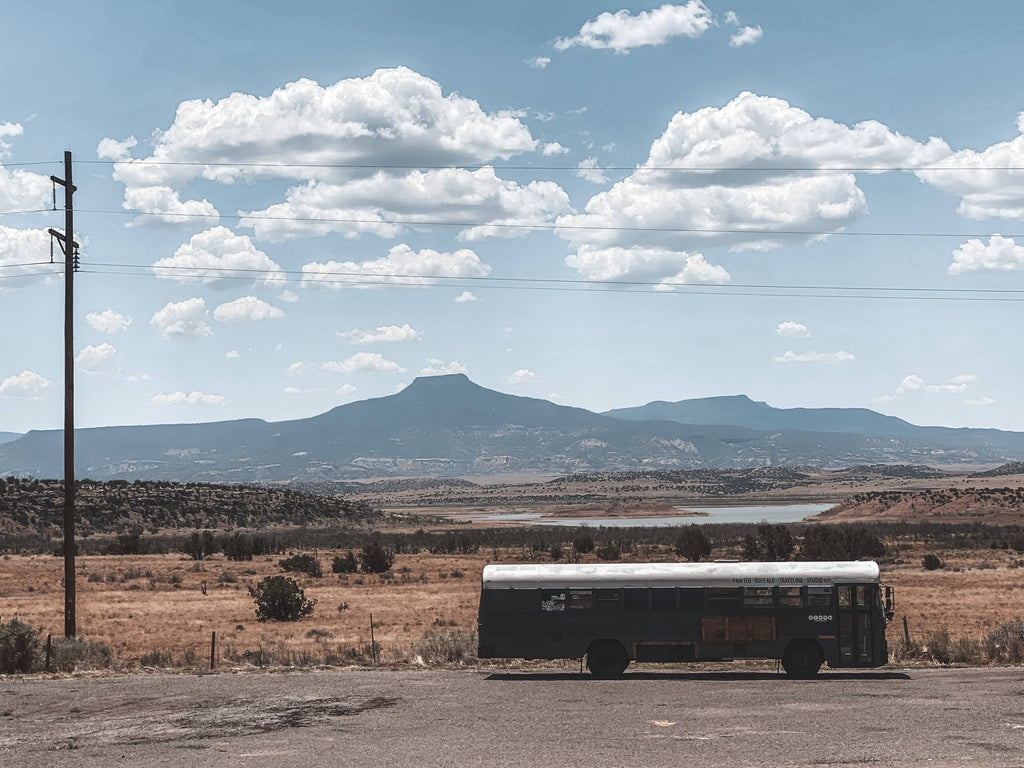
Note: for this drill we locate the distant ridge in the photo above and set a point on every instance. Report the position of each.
(6, 437)
(448, 426)
(741, 411)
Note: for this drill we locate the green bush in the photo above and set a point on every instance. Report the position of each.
(693, 543)
(610, 550)
(346, 564)
(70, 654)
(447, 646)
(19, 647)
(279, 598)
(306, 564)
(375, 558)
(932, 562)
(583, 542)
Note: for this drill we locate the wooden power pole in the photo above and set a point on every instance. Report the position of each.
(70, 250)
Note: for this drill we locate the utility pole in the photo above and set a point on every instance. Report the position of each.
(70, 249)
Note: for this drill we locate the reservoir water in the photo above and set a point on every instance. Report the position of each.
(770, 513)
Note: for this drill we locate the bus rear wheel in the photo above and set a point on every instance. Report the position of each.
(802, 660)
(607, 658)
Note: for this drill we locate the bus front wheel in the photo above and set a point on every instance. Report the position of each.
(607, 658)
(802, 659)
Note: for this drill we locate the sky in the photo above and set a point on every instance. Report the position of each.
(285, 207)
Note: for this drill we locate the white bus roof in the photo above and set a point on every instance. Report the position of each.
(611, 575)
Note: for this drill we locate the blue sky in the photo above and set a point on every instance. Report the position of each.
(286, 207)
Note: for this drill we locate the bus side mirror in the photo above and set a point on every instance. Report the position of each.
(890, 603)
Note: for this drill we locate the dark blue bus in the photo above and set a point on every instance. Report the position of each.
(804, 614)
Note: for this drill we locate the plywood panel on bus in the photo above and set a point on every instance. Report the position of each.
(737, 629)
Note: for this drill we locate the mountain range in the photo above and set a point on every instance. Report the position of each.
(449, 426)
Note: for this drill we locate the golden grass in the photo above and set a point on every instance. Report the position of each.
(139, 605)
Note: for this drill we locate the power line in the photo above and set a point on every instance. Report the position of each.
(584, 286)
(25, 264)
(570, 281)
(631, 168)
(545, 226)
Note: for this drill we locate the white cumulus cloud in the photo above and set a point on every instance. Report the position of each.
(248, 309)
(97, 360)
(670, 267)
(999, 254)
(232, 354)
(538, 62)
(523, 376)
(361, 362)
(436, 367)
(402, 266)
(27, 385)
(791, 329)
(588, 170)
(956, 385)
(218, 257)
(828, 358)
(182, 319)
(745, 36)
(327, 138)
(190, 398)
(687, 192)
(108, 321)
(384, 334)
(622, 31)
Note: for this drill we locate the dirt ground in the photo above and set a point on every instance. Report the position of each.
(899, 718)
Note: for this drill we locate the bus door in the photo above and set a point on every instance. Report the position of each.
(856, 603)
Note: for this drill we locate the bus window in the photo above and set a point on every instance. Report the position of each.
(789, 596)
(845, 596)
(581, 599)
(634, 599)
(691, 598)
(759, 596)
(664, 599)
(819, 597)
(720, 597)
(607, 599)
(863, 597)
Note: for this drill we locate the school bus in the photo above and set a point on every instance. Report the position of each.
(804, 614)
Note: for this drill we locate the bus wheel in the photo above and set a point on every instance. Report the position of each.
(607, 658)
(802, 659)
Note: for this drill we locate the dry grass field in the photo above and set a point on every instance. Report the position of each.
(152, 610)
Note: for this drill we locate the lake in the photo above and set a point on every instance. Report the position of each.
(771, 513)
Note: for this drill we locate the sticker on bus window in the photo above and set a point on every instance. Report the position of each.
(553, 602)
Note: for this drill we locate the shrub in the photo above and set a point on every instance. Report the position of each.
(938, 646)
(346, 564)
(1006, 643)
(772, 542)
(583, 543)
(19, 647)
(200, 545)
(447, 646)
(835, 542)
(610, 550)
(375, 558)
(70, 654)
(692, 543)
(279, 598)
(306, 564)
(932, 562)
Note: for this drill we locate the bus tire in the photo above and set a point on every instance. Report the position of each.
(607, 658)
(802, 659)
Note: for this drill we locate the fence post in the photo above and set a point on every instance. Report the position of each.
(373, 644)
(906, 632)
(49, 648)
(213, 649)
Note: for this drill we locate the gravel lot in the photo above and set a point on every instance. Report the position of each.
(935, 717)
